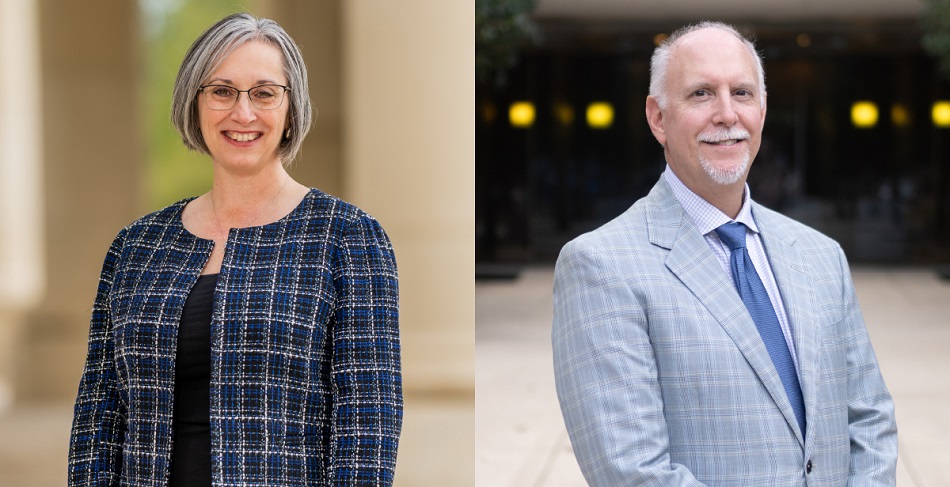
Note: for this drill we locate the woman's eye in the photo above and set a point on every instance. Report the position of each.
(263, 94)
(222, 92)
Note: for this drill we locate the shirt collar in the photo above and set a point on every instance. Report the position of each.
(705, 216)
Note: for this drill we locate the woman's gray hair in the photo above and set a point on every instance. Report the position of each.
(661, 58)
(211, 49)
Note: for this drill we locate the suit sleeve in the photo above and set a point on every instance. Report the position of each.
(98, 430)
(871, 423)
(606, 375)
(367, 409)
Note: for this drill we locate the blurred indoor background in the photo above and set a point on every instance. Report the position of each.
(86, 147)
(856, 142)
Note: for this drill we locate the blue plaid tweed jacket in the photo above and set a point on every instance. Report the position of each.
(664, 380)
(305, 383)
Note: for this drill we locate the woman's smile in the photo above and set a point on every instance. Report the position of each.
(242, 136)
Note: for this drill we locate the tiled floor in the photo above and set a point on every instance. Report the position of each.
(34, 444)
(520, 438)
(436, 447)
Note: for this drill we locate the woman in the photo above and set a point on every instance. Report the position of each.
(247, 336)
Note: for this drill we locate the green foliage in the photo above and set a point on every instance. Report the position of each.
(501, 26)
(172, 171)
(936, 26)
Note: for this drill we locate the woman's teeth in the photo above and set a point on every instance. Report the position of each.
(243, 137)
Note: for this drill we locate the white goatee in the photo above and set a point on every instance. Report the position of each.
(725, 175)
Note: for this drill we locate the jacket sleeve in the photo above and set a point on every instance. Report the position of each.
(98, 430)
(367, 409)
(605, 374)
(871, 423)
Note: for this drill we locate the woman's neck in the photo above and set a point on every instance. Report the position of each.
(243, 200)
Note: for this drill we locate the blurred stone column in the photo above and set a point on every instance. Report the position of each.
(394, 86)
(92, 152)
(409, 148)
(21, 262)
(315, 26)
(409, 152)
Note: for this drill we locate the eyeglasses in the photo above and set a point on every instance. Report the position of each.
(263, 97)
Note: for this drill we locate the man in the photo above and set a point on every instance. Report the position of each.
(702, 339)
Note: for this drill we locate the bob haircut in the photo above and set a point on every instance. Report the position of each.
(211, 49)
(661, 59)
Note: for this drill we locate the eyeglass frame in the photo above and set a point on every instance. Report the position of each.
(201, 89)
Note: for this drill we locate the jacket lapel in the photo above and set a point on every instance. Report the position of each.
(691, 260)
(798, 295)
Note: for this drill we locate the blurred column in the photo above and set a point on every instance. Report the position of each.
(393, 83)
(409, 152)
(21, 263)
(394, 86)
(315, 27)
(409, 147)
(92, 150)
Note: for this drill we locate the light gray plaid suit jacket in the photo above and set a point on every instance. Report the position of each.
(663, 378)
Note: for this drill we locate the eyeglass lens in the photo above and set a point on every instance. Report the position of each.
(223, 97)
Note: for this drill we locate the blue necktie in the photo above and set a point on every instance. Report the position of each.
(756, 300)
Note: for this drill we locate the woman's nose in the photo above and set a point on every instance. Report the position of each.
(243, 110)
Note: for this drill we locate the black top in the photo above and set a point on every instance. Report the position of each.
(191, 451)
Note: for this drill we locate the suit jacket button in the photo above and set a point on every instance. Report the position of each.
(808, 467)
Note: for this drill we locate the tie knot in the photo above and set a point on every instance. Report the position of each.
(732, 234)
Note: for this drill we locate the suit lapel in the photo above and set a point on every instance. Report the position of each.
(798, 296)
(691, 260)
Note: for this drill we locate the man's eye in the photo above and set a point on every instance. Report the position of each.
(700, 93)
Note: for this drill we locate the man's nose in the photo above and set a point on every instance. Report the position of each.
(725, 111)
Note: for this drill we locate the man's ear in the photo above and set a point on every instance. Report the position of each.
(655, 119)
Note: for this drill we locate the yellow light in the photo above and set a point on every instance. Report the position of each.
(600, 115)
(803, 40)
(900, 117)
(941, 114)
(489, 112)
(659, 38)
(564, 113)
(864, 114)
(521, 114)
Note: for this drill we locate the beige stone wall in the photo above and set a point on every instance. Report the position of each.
(393, 83)
(21, 242)
(92, 152)
(315, 26)
(409, 147)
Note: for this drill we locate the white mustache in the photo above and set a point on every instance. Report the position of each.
(731, 133)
